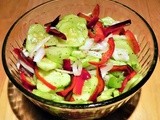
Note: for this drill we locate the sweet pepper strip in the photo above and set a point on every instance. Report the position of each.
(107, 55)
(25, 81)
(100, 86)
(49, 85)
(66, 91)
(78, 86)
(85, 75)
(125, 81)
(132, 41)
(97, 32)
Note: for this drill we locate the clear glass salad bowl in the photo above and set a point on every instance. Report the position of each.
(45, 13)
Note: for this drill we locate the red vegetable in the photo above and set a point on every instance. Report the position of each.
(97, 32)
(100, 86)
(125, 81)
(85, 75)
(107, 55)
(54, 22)
(132, 41)
(78, 86)
(57, 33)
(92, 22)
(49, 85)
(69, 88)
(67, 64)
(127, 69)
(96, 11)
(115, 27)
(23, 58)
(120, 31)
(26, 81)
(128, 72)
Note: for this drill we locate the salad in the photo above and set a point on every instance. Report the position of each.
(79, 58)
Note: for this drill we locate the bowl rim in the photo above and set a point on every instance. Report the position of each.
(88, 105)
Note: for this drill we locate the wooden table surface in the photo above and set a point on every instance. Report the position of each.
(148, 107)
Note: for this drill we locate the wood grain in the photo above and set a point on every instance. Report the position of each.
(148, 107)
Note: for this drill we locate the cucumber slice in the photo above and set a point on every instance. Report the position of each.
(57, 54)
(107, 21)
(58, 79)
(36, 34)
(123, 44)
(74, 28)
(106, 94)
(47, 95)
(47, 65)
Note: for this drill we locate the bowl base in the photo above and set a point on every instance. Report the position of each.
(24, 109)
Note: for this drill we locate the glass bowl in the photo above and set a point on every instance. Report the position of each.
(45, 13)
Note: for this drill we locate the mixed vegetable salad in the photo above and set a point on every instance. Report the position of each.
(79, 58)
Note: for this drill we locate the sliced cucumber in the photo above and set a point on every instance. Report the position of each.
(36, 34)
(74, 28)
(47, 95)
(58, 79)
(46, 64)
(57, 54)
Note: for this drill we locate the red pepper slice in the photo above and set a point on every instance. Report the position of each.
(78, 86)
(43, 80)
(92, 22)
(127, 69)
(125, 81)
(97, 32)
(107, 55)
(120, 31)
(26, 82)
(68, 89)
(132, 41)
(100, 86)
(96, 11)
(85, 75)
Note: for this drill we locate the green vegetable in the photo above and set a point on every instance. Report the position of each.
(46, 64)
(36, 34)
(47, 95)
(57, 54)
(58, 79)
(74, 28)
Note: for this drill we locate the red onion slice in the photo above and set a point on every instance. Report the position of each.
(30, 69)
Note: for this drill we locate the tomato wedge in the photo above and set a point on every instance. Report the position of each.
(43, 80)
(107, 55)
(132, 41)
